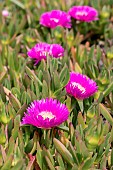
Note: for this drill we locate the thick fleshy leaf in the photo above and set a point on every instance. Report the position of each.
(105, 113)
(63, 151)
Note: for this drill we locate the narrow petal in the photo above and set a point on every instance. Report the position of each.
(42, 50)
(83, 13)
(55, 18)
(45, 113)
(80, 86)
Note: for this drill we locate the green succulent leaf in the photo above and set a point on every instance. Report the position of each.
(89, 163)
(63, 151)
(105, 113)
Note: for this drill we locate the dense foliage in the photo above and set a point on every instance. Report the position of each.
(85, 140)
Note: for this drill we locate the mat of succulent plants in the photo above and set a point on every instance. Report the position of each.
(56, 85)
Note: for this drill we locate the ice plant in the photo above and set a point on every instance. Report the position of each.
(46, 113)
(56, 50)
(42, 50)
(80, 86)
(55, 18)
(83, 13)
(5, 13)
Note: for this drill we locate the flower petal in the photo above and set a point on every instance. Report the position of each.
(55, 18)
(80, 86)
(46, 113)
(83, 13)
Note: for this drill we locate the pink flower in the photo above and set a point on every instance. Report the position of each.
(83, 13)
(41, 50)
(56, 50)
(55, 18)
(46, 113)
(80, 86)
(5, 13)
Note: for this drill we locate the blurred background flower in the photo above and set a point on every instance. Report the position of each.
(42, 50)
(55, 18)
(83, 13)
(5, 13)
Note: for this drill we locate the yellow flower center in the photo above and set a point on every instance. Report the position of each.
(54, 19)
(81, 88)
(81, 13)
(46, 115)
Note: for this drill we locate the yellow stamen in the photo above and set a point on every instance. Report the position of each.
(54, 19)
(81, 88)
(81, 13)
(46, 115)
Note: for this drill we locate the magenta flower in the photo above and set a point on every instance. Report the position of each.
(56, 50)
(45, 113)
(41, 50)
(83, 13)
(80, 86)
(5, 13)
(55, 18)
